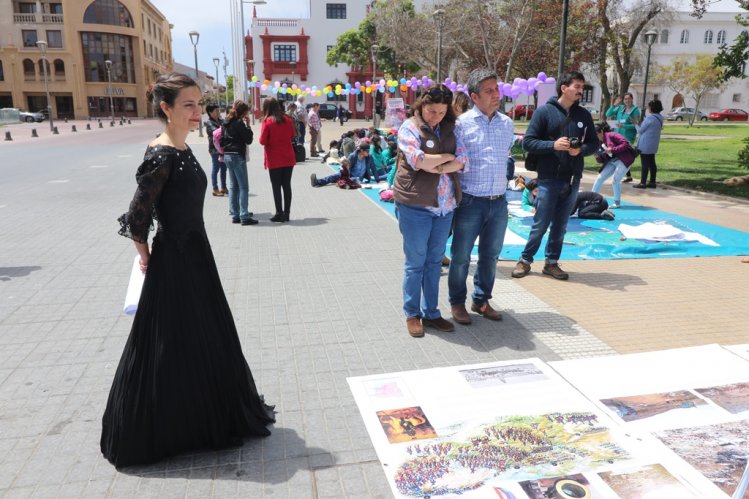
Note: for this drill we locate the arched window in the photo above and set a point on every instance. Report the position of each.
(721, 37)
(708, 37)
(59, 66)
(664, 36)
(684, 36)
(108, 12)
(29, 74)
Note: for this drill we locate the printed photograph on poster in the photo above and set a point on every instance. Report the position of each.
(405, 424)
(501, 375)
(733, 398)
(571, 486)
(718, 451)
(645, 482)
(644, 406)
(386, 389)
(511, 448)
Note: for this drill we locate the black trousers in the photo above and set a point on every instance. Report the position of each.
(280, 180)
(648, 166)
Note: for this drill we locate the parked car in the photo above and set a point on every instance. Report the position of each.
(522, 110)
(684, 113)
(30, 117)
(593, 112)
(729, 115)
(329, 111)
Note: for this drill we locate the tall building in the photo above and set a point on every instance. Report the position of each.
(97, 51)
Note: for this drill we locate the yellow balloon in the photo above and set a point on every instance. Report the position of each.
(254, 78)
(338, 87)
(338, 91)
(369, 90)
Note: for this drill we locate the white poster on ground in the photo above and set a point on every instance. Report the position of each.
(694, 401)
(504, 429)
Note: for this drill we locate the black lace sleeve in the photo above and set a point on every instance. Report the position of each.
(152, 174)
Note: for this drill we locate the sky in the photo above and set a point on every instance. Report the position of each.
(214, 24)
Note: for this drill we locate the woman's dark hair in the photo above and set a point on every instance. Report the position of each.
(238, 111)
(376, 143)
(655, 106)
(165, 89)
(531, 184)
(437, 93)
(271, 107)
(603, 128)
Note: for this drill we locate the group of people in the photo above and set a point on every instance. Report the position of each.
(227, 145)
(620, 145)
(451, 175)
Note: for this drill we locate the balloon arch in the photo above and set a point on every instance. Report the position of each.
(519, 86)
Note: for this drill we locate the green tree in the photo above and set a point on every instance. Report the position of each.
(697, 78)
(230, 89)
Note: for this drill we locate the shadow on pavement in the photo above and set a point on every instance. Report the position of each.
(7, 273)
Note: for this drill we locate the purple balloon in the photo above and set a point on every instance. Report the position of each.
(550, 80)
(532, 81)
(506, 88)
(542, 76)
(367, 83)
(448, 81)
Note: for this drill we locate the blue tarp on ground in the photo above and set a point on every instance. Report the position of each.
(602, 240)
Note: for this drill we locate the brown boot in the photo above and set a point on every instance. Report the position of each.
(217, 192)
(555, 271)
(439, 324)
(415, 329)
(460, 314)
(487, 311)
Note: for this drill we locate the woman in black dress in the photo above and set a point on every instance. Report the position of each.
(183, 383)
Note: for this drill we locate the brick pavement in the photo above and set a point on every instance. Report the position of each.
(315, 301)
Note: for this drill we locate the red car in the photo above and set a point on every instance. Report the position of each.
(729, 115)
(520, 111)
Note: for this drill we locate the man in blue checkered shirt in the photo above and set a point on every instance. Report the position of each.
(482, 213)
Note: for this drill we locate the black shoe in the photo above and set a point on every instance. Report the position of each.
(627, 179)
(249, 221)
(652, 185)
(285, 216)
(639, 186)
(235, 220)
(313, 180)
(278, 217)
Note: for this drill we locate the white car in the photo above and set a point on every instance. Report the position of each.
(30, 117)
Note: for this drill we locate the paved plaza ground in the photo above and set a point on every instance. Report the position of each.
(316, 300)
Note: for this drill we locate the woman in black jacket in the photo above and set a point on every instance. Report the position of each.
(236, 135)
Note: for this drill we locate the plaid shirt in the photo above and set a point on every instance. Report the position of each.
(487, 144)
(314, 121)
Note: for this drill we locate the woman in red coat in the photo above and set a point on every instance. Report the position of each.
(276, 136)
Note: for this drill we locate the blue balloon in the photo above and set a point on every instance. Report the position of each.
(330, 94)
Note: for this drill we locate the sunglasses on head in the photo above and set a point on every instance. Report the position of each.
(443, 96)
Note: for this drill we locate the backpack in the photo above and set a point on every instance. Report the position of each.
(225, 138)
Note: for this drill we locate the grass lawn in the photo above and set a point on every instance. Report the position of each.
(694, 163)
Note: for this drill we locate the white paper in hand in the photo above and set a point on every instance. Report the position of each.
(133, 288)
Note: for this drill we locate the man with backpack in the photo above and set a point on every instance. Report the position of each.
(219, 167)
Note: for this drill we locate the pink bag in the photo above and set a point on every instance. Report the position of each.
(386, 195)
(217, 143)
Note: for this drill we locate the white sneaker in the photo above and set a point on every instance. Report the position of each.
(615, 205)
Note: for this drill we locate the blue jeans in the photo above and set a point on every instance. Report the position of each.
(329, 179)
(487, 220)
(218, 166)
(554, 204)
(614, 167)
(424, 238)
(239, 188)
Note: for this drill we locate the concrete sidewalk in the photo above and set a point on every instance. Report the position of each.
(315, 300)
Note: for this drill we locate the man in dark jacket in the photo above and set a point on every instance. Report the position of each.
(211, 125)
(560, 133)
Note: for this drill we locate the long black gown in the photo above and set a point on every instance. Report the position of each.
(182, 383)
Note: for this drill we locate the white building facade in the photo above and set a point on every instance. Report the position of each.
(685, 37)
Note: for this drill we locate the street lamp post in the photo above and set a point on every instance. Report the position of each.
(563, 36)
(439, 17)
(108, 64)
(43, 47)
(375, 116)
(194, 37)
(251, 98)
(650, 38)
(216, 60)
